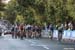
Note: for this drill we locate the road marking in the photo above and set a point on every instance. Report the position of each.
(33, 43)
(44, 46)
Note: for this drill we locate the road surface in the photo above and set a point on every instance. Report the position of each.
(7, 43)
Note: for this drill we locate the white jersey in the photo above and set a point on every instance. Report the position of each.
(27, 26)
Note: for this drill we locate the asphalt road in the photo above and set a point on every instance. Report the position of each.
(7, 43)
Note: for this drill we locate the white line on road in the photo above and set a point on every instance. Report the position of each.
(33, 43)
(44, 46)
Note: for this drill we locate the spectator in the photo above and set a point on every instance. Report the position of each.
(70, 26)
(51, 30)
(60, 32)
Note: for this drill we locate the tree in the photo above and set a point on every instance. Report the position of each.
(41, 11)
(1, 6)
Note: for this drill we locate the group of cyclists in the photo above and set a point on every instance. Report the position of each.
(26, 30)
(34, 30)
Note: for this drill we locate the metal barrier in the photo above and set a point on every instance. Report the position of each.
(45, 33)
(67, 34)
(55, 34)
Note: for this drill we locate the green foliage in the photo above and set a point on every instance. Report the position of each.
(1, 6)
(40, 11)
